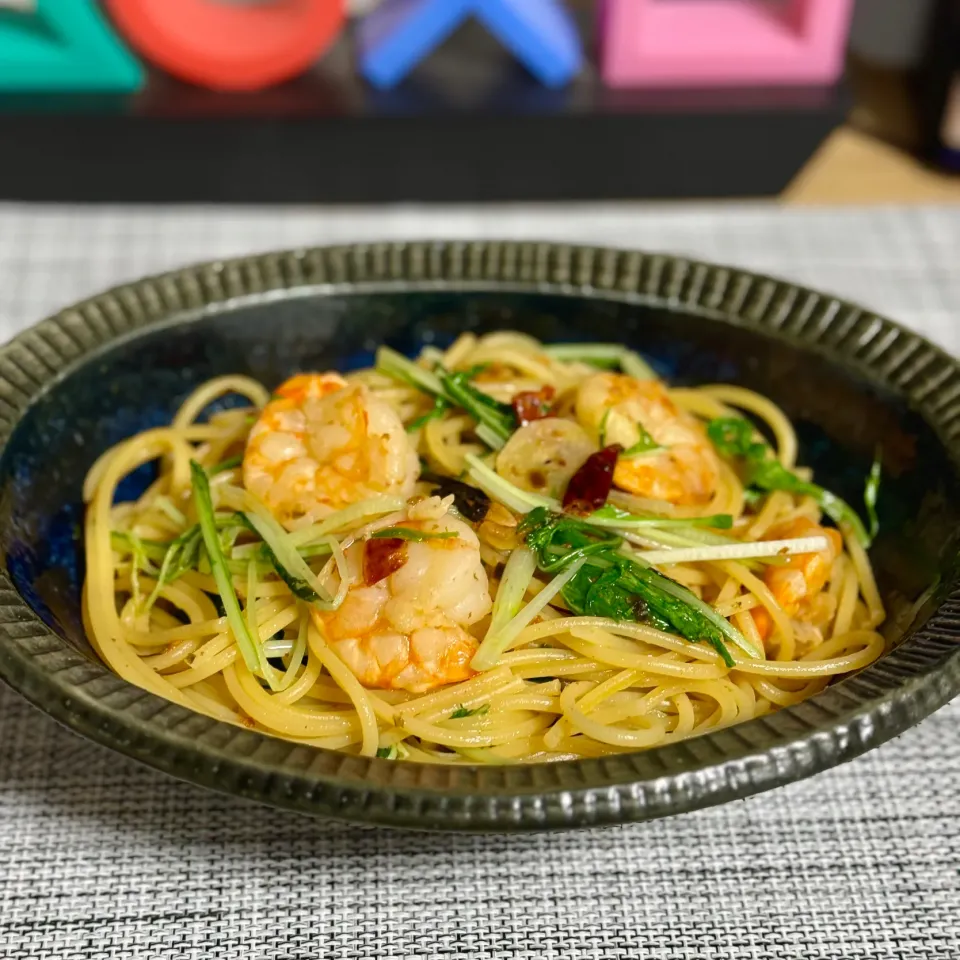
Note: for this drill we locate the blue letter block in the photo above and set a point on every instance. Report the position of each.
(400, 33)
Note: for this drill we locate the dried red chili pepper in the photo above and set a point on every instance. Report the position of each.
(381, 557)
(590, 486)
(530, 405)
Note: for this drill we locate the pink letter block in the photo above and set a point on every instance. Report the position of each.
(691, 43)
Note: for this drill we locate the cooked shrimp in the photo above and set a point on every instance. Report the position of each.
(797, 584)
(321, 444)
(403, 623)
(543, 455)
(685, 469)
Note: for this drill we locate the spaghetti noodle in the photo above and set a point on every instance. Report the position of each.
(501, 552)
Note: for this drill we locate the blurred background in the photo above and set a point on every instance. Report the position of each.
(817, 140)
(378, 101)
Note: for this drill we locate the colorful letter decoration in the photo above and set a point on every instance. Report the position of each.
(230, 48)
(691, 43)
(400, 33)
(64, 46)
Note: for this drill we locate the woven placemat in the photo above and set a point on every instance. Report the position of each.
(100, 858)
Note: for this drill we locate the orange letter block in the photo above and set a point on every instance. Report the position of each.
(230, 48)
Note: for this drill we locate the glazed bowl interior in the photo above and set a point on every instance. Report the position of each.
(139, 382)
(122, 362)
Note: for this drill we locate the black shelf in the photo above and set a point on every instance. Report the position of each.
(468, 125)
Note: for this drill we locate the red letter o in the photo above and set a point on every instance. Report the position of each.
(224, 48)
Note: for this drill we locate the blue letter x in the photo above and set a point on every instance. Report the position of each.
(400, 33)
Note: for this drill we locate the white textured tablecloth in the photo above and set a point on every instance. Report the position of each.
(100, 858)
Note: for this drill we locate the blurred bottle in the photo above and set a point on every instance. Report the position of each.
(938, 88)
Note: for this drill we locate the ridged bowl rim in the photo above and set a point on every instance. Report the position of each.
(837, 725)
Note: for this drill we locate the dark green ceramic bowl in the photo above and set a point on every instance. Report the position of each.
(122, 362)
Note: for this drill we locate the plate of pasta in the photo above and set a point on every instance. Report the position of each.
(476, 551)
